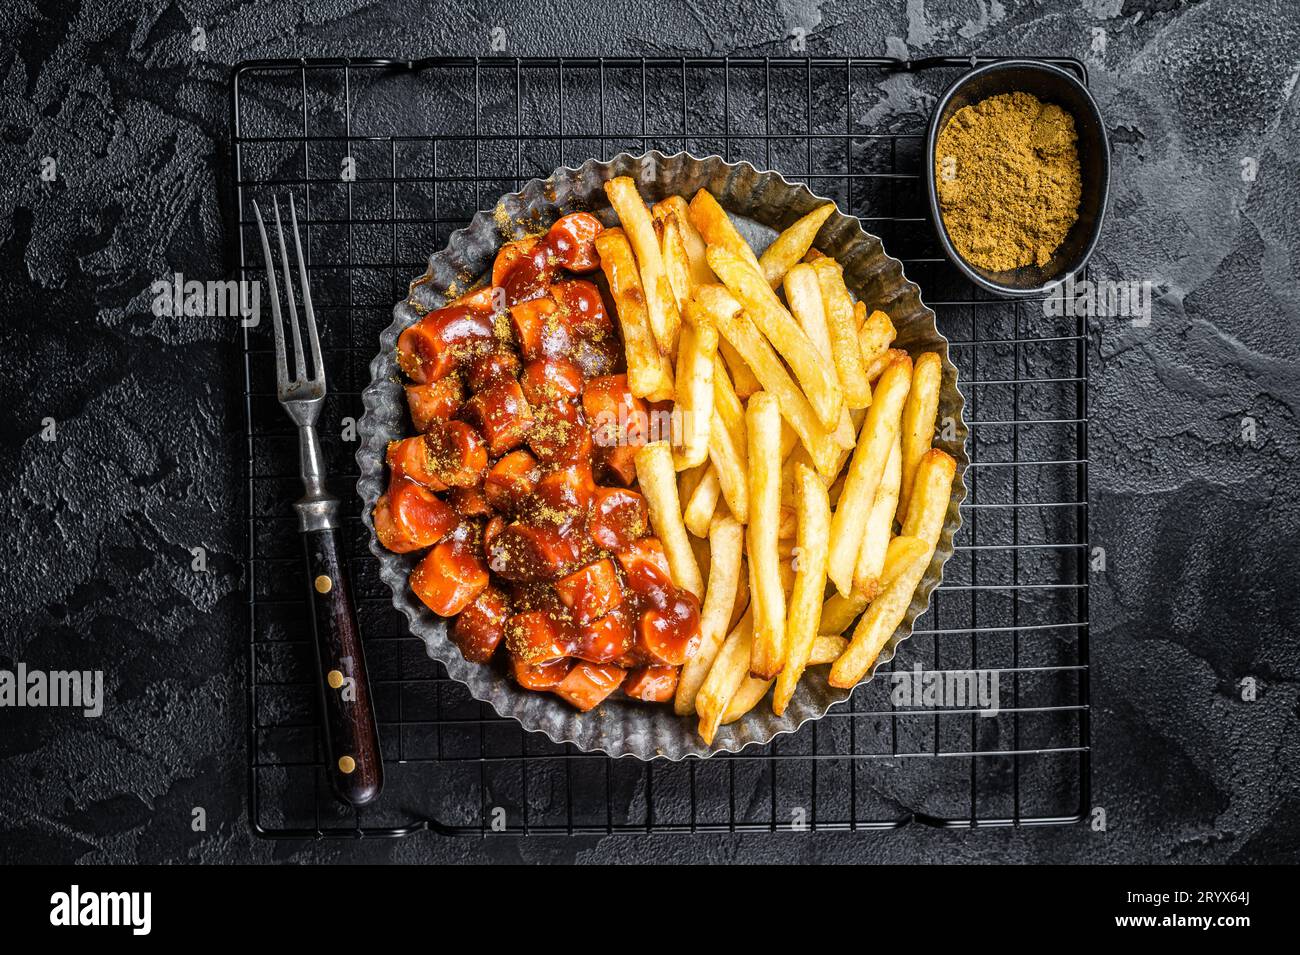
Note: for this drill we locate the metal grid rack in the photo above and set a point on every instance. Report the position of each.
(385, 159)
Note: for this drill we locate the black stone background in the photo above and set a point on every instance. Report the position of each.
(1199, 525)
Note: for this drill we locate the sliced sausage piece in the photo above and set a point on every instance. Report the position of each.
(530, 320)
(435, 345)
(449, 577)
(537, 637)
(652, 684)
(529, 275)
(481, 626)
(550, 379)
(511, 254)
(571, 241)
(457, 453)
(559, 432)
(617, 418)
(436, 401)
(486, 368)
(645, 559)
(410, 516)
(583, 308)
(411, 458)
(502, 415)
(525, 552)
(592, 591)
(510, 480)
(607, 639)
(588, 684)
(670, 635)
(617, 519)
(547, 676)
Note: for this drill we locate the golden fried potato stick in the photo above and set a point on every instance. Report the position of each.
(804, 295)
(763, 425)
(727, 403)
(902, 552)
(746, 383)
(693, 242)
(758, 353)
(838, 613)
(658, 480)
(826, 649)
(747, 696)
(838, 305)
(931, 491)
(930, 498)
(730, 667)
(726, 550)
(880, 525)
(803, 623)
(766, 311)
(703, 503)
(877, 366)
(716, 228)
(696, 356)
(917, 427)
(790, 246)
(877, 625)
(676, 264)
(875, 332)
(731, 467)
(661, 304)
(875, 443)
(649, 373)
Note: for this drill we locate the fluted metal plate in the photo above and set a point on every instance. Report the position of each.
(762, 203)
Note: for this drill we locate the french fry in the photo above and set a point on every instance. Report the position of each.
(877, 625)
(804, 295)
(716, 228)
(747, 696)
(790, 246)
(826, 649)
(727, 404)
(813, 255)
(649, 374)
(745, 382)
(844, 333)
(703, 503)
(838, 612)
(875, 332)
(902, 552)
(758, 354)
(880, 522)
(877, 366)
(931, 492)
(700, 548)
(692, 241)
(742, 597)
(689, 480)
(763, 425)
(917, 427)
(658, 480)
(676, 265)
(661, 305)
(766, 311)
(696, 355)
(730, 465)
(804, 620)
(726, 549)
(730, 667)
(875, 443)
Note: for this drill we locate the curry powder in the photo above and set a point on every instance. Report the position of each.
(1007, 174)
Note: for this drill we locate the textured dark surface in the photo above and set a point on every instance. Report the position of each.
(1198, 520)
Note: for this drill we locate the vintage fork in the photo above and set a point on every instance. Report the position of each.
(353, 761)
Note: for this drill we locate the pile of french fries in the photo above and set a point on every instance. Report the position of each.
(800, 472)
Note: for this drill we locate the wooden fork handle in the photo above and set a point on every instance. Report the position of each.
(353, 762)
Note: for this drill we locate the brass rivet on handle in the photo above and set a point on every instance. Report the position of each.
(324, 584)
(347, 764)
(335, 679)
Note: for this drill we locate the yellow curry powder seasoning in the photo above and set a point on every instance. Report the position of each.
(1007, 175)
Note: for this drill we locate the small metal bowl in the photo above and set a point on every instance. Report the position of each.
(1051, 85)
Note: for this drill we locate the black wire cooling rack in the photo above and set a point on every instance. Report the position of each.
(385, 159)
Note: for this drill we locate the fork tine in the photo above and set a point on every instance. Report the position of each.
(288, 295)
(281, 363)
(318, 365)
